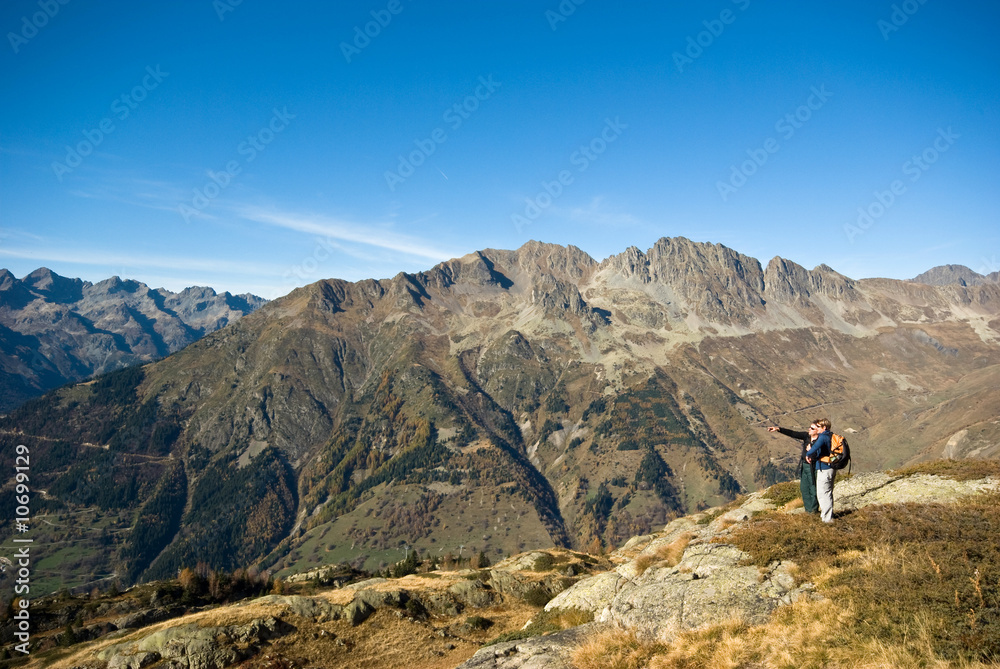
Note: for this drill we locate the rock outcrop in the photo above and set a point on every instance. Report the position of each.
(194, 647)
(709, 584)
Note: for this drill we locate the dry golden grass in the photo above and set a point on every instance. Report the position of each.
(807, 635)
(793, 504)
(80, 654)
(389, 639)
(644, 562)
(615, 649)
(672, 553)
(906, 586)
(664, 556)
(959, 470)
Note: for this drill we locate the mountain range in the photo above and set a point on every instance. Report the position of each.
(502, 400)
(54, 330)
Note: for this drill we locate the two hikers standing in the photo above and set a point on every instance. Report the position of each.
(816, 476)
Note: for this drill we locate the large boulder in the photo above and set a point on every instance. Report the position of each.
(543, 652)
(708, 586)
(193, 647)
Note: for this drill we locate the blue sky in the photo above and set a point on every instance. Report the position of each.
(258, 146)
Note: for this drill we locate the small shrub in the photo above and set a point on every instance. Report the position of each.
(480, 575)
(415, 608)
(478, 623)
(537, 596)
(783, 493)
(543, 562)
(546, 622)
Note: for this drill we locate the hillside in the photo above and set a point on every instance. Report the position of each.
(54, 330)
(754, 583)
(499, 401)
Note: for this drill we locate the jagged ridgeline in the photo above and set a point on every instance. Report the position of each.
(500, 401)
(55, 330)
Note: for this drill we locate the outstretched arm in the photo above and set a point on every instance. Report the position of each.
(794, 434)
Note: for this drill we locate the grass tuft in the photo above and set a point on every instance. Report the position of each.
(546, 622)
(669, 555)
(615, 649)
(923, 577)
(783, 493)
(958, 470)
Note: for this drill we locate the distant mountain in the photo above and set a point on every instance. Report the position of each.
(946, 275)
(54, 330)
(502, 400)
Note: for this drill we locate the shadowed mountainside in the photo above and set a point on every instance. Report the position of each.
(502, 400)
(54, 330)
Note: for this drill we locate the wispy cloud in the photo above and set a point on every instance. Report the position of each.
(104, 258)
(598, 212)
(347, 231)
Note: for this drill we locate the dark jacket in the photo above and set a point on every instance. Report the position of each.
(821, 449)
(801, 436)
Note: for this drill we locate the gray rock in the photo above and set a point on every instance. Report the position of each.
(361, 585)
(543, 652)
(472, 593)
(507, 583)
(313, 608)
(880, 488)
(358, 611)
(193, 647)
(440, 603)
(377, 599)
(136, 661)
(594, 594)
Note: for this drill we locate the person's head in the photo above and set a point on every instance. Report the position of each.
(818, 426)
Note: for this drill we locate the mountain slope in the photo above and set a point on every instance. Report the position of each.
(54, 330)
(754, 583)
(508, 399)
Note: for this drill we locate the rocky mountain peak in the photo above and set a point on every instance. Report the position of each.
(54, 287)
(68, 329)
(945, 275)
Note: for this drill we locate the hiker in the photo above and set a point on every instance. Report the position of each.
(807, 470)
(819, 455)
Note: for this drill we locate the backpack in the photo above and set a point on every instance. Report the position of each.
(840, 452)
